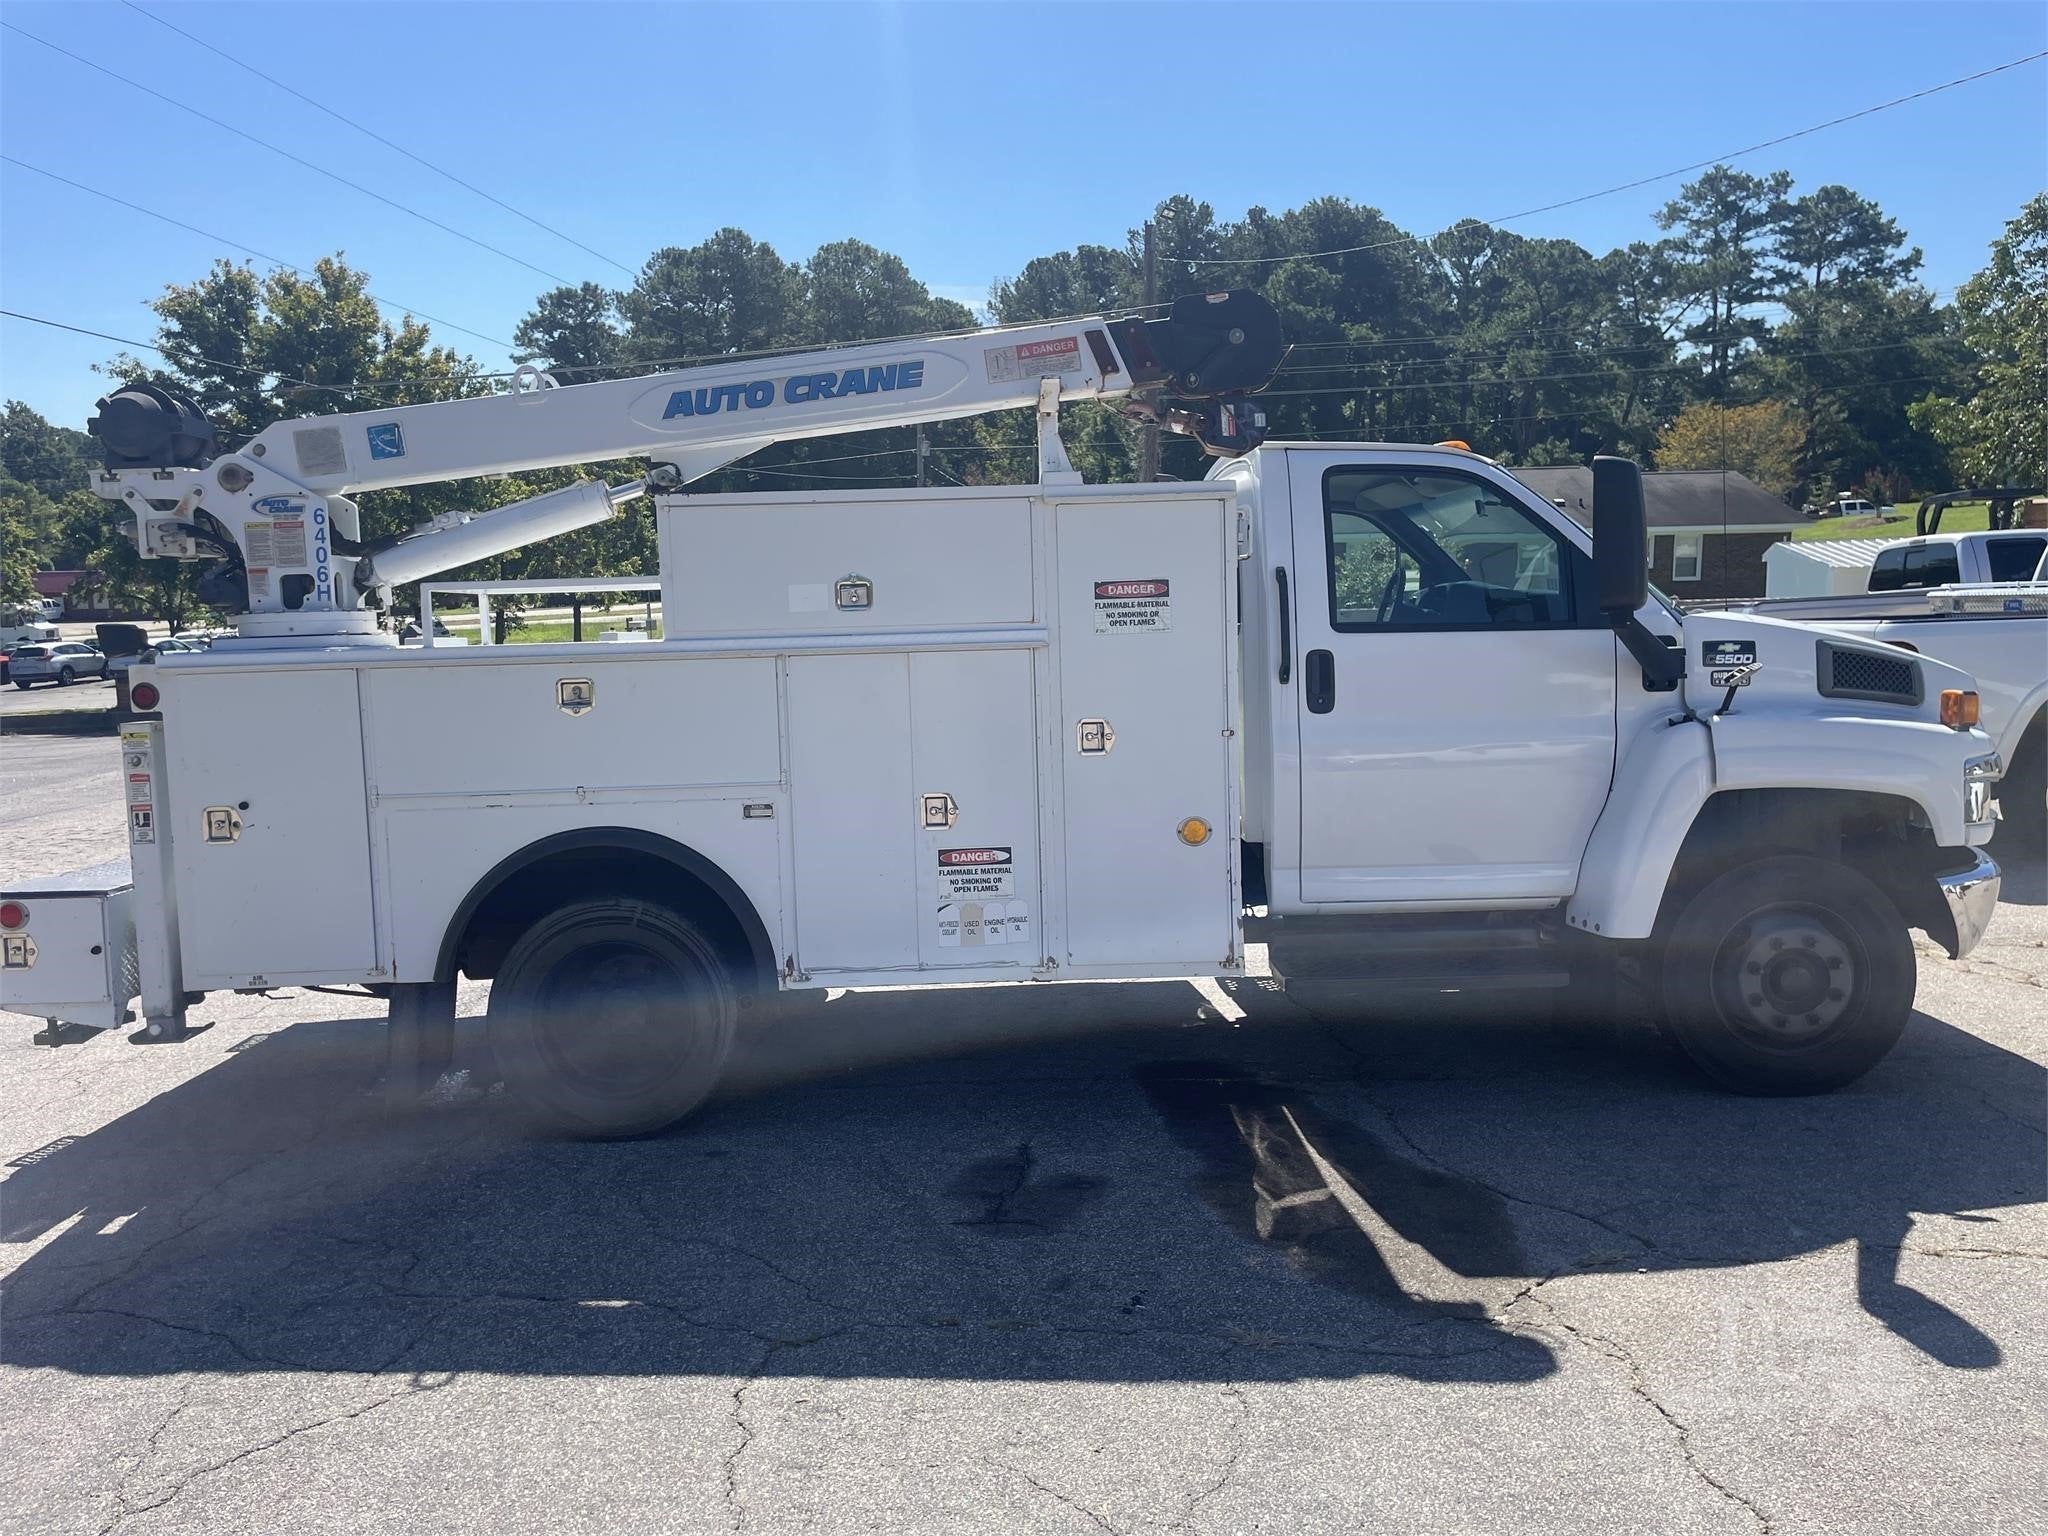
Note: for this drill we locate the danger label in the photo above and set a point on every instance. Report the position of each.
(1132, 605)
(1033, 359)
(971, 874)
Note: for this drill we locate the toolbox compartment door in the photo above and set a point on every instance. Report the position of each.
(1146, 644)
(274, 884)
(880, 886)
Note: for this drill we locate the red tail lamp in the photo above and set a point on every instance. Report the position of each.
(145, 696)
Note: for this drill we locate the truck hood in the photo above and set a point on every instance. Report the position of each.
(1807, 666)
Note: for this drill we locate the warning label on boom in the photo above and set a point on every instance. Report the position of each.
(1033, 359)
(1132, 605)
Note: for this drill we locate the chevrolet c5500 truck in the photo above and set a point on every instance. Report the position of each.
(1372, 705)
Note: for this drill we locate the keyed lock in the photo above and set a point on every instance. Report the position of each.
(853, 593)
(940, 811)
(1094, 738)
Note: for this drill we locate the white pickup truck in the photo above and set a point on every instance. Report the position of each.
(1375, 706)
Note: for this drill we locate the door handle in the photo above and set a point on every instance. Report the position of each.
(1286, 625)
(1319, 676)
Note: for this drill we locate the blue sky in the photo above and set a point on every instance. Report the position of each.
(966, 138)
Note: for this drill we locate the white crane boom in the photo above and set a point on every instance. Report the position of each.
(275, 514)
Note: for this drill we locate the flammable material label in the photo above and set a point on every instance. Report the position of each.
(1145, 604)
(976, 874)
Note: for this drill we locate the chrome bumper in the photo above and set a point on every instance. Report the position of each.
(1971, 896)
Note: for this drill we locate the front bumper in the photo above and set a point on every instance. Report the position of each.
(1970, 896)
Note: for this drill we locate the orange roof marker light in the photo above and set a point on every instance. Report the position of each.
(1456, 442)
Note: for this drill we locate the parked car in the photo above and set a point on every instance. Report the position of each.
(63, 664)
(194, 639)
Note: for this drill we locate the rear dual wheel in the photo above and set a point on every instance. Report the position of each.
(1788, 975)
(613, 1017)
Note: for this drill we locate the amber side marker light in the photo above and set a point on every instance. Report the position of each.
(1959, 708)
(1194, 831)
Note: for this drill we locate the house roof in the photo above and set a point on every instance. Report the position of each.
(1710, 500)
(57, 583)
(1858, 553)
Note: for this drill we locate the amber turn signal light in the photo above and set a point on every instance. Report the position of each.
(1958, 708)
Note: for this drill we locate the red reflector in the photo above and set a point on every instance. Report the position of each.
(144, 696)
(13, 915)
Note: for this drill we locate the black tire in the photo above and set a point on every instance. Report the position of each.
(612, 1018)
(66, 677)
(23, 684)
(2023, 799)
(1788, 975)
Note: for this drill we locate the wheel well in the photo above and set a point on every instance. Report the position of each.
(601, 862)
(1884, 837)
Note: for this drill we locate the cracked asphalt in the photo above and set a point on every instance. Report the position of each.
(1135, 1258)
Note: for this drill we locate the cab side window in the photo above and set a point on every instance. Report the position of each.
(1435, 549)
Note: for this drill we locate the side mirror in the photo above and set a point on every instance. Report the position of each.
(1621, 556)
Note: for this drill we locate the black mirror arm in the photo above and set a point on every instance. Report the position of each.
(1662, 665)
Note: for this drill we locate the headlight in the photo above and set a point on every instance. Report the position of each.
(1979, 774)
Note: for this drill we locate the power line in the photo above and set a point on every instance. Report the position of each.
(150, 346)
(1626, 186)
(1548, 378)
(275, 261)
(244, 64)
(242, 133)
(1505, 336)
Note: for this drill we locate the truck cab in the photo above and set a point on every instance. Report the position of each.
(1959, 559)
(1450, 733)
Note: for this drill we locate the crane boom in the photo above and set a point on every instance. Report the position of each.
(275, 517)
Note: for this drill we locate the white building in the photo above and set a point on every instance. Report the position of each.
(1821, 568)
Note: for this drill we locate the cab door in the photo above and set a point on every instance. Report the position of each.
(1455, 688)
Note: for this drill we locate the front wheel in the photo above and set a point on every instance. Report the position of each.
(66, 677)
(1789, 975)
(613, 1017)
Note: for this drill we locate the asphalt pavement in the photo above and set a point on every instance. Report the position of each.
(1129, 1258)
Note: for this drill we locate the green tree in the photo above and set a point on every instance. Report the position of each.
(731, 293)
(18, 539)
(1997, 424)
(571, 329)
(1761, 441)
(53, 459)
(1724, 255)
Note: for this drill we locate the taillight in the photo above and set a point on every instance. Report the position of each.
(145, 696)
(1959, 708)
(13, 915)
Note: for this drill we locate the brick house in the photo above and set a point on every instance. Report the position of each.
(1709, 528)
(83, 593)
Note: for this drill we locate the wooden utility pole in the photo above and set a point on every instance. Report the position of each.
(1148, 434)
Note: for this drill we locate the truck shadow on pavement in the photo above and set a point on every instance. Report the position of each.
(1116, 1185)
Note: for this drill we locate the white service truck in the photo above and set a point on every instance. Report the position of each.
(1372, 705)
